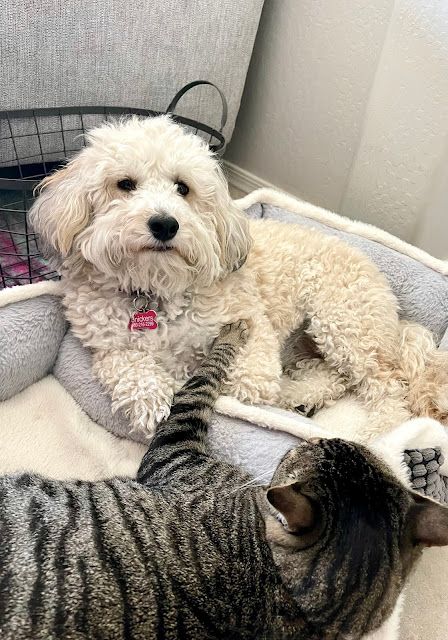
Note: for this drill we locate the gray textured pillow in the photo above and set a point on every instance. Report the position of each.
(73, 369)
(31, 332)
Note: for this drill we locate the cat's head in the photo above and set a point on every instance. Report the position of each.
(346, 533)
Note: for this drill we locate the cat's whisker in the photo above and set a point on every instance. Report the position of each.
(253, 481)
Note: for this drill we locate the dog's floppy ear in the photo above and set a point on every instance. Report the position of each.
(232, 228)
(236, 242)
(62, 208)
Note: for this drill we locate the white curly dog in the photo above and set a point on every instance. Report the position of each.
(141, 221)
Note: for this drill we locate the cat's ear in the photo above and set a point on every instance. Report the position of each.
(301, 514)
(428, 521)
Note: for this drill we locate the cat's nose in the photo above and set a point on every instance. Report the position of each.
(163, 227)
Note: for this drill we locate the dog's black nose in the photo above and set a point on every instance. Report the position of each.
(163, 227)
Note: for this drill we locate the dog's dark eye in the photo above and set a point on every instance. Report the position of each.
(182, 188)
(126, 185)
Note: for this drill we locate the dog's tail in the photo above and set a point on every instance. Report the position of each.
(425, 369)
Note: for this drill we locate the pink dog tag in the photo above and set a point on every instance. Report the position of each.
(143, 320)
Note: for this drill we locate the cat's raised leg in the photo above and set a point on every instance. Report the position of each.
(254, 377)
(180, 441)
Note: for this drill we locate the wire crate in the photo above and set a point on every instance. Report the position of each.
(36, 142)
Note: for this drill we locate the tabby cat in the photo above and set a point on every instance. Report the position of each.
(190, 550)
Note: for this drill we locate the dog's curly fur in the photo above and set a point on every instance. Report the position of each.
(220, 267)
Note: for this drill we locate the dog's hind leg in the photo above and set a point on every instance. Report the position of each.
(385, 402)
(312, 383)
(311, 387)
(309, 383)
(365, 354)
(361, 343)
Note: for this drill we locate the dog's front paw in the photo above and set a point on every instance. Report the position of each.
(147, 414)
(143, 412)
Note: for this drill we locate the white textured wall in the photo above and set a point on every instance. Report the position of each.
(346, 105)
(432, 227)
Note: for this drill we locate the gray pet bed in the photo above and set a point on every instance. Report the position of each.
(35, 341)
(45, 344)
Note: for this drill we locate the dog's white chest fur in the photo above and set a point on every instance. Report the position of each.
(182, 337)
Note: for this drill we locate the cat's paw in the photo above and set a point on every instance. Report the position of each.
(235, 334)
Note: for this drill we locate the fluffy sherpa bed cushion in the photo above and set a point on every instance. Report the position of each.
(31, 332)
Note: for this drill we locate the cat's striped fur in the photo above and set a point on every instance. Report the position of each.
(182, 553)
